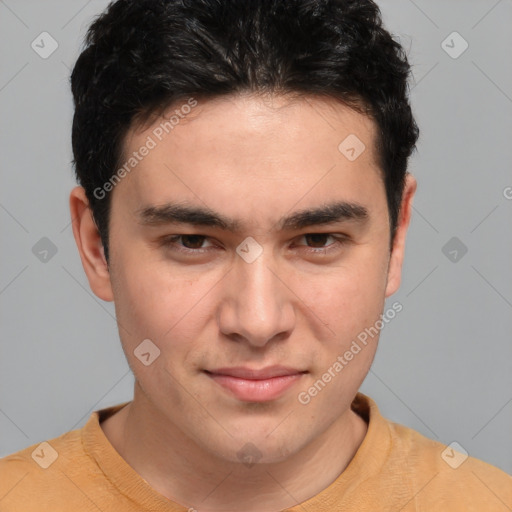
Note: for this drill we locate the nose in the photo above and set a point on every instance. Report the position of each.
(256, 306)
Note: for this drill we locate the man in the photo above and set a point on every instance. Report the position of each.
(244, 201)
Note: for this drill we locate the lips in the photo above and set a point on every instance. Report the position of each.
(256, 385)
(253, 374)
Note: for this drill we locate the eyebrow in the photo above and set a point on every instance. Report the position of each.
(175, 213)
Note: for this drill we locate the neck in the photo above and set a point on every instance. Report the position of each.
(184, 472)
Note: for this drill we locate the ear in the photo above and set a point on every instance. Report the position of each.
(398, 250)
(89, 245)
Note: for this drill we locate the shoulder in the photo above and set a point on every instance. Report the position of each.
(27, 477)
(63, 473)
(446, 477)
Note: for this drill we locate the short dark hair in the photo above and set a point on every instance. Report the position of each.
(142, 56)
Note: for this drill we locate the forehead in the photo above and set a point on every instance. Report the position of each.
(235, 150)
(255, 111)
(245, 122)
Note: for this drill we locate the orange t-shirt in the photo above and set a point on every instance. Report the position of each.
(394, 469)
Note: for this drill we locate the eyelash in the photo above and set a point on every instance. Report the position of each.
(171, 242)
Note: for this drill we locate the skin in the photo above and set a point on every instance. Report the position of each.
(255, 159)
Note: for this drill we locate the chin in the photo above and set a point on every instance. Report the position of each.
(257, 447)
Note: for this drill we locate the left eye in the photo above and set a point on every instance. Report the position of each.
(318, 240)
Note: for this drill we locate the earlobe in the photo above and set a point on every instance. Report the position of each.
(398, 251)
(89, 245)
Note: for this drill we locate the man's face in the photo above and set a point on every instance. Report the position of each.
(295, 295)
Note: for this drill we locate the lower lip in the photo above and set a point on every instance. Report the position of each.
(262, 390)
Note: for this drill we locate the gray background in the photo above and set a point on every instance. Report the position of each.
(444, 363)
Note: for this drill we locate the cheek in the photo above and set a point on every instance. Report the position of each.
(143, 302)
(160, 302)
(350, 296)
(154, 304)
(350, 301)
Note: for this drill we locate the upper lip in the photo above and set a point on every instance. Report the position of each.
(253, 374)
